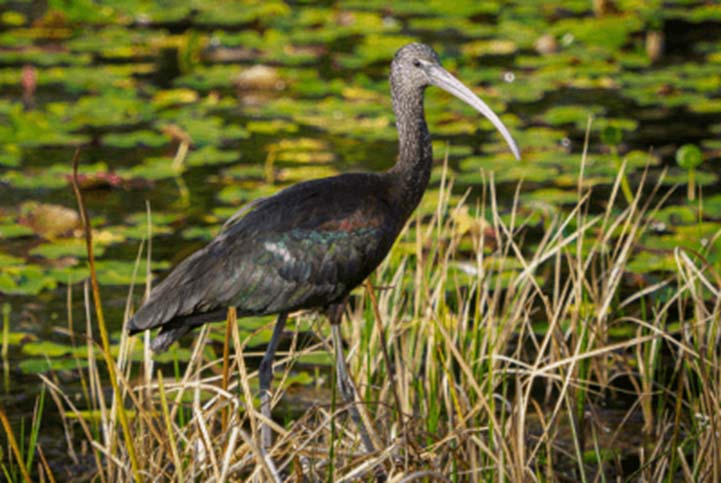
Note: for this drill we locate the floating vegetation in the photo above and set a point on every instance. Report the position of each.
(191, 111)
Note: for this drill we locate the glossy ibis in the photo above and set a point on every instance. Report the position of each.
(310, 244)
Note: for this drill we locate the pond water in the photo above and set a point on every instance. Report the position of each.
(271, 93)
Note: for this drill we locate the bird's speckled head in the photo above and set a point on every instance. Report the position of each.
(415, 67)
(409, 69)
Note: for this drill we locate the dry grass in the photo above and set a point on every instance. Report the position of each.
(503, 366)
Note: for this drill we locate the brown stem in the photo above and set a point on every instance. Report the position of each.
(101, 323)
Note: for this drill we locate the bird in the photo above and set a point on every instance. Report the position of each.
(310, 244)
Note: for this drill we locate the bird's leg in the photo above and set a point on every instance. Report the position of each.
(345, 383)
(265, 376)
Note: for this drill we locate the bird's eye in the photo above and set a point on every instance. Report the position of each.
(417, 63)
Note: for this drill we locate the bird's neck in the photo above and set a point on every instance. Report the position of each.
(412, 170)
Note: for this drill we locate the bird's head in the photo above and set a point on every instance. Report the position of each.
(417, 66)
(412, 65)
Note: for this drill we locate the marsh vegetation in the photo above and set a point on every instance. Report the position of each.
(554, 319)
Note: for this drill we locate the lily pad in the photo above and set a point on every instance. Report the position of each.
(68, 247)
(272, 127)
(135, 138)
(375, 48)
(209, 155)
(34, 128)
(116, 272)
(174, 97)
(47, 348)
(233, 13)
(25, 279)
(10, 155)
(669, 216)
(14, 230)
(577, 115)
(38, 366)
(96, 78)
(210, 130)
(114, 108)
(553, 196)
(678, 176)
(606, 34)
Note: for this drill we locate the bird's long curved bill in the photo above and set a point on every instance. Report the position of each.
(440, 77)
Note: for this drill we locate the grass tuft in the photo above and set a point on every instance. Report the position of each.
(480, 350)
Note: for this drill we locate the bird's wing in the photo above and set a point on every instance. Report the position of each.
(238, 215)
(307, 246)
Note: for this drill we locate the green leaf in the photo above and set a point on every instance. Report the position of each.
(689, 156)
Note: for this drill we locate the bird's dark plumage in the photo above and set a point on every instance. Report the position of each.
(312, 243)
(305, 247)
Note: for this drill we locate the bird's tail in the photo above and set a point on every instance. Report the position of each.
(167, 336)
(173, 329)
